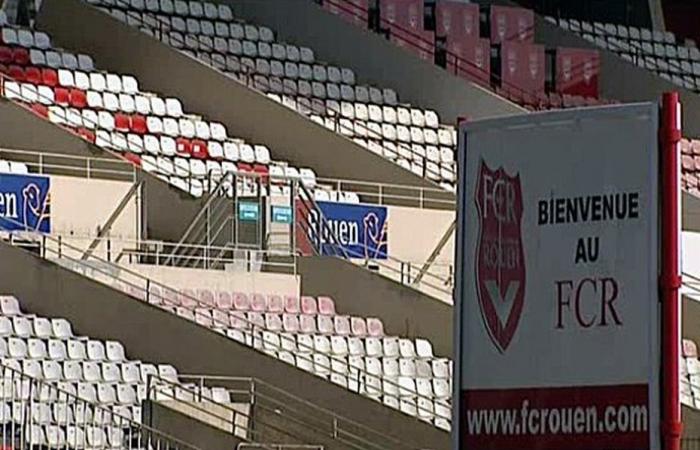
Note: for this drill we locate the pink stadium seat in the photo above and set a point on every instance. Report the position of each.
(188, 298)
(275, 304)
(241, 301)
(135, 159)
(292, 304)
(341, 325)
(512, 24)
(326, 306)
(290, 323)
(258, 303)
(49, 77)
(78, 98)
(358, 326)
(375, 327)
(308, 305)
(206, 297)
(262, 170)
(224, 300)
(307, 324)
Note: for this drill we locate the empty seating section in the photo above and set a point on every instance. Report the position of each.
(657, 51)
(330, 95)
(156, 132)
(94, 371)
(308, 333)
(491, 45)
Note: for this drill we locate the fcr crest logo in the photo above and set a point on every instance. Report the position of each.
(500, 263)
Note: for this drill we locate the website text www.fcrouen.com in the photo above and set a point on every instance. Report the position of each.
(525, 420)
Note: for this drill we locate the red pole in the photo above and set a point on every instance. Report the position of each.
(671, 425)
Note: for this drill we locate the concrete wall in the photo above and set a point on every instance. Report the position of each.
(374, 59)
(149, 333)
(79, 206)
(248, 282)
(246, 113)
(405, 311)
(187, 429)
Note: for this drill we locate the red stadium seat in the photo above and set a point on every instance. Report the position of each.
(263, 171)
(245, 167)
(20, 56)
(138, 124)
(49, 77)
(183, 147)
(5, 55)
(33, 75)
(62, 96)
(16, 73)
(122, 122)
(4, 69)
(40, 110)
(136, 159)
(199, 149)
(86, 134)
(78, 98)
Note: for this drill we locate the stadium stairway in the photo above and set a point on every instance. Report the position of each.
(292, 137)
(158, 335)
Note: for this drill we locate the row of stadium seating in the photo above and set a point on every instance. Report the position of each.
(95, 371)
(352, 352)
(111, 111)
(329, 95)
(656, 51)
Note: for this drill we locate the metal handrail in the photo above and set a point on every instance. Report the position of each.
(35, 389)
(116, 275)
(247, 71)
(281, 399)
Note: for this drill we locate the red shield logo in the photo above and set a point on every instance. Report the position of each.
(500, 263)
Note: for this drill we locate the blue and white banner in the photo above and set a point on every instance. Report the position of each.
(25, 203)
(362, 230)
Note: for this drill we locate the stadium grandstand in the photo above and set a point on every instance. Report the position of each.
(231, 223)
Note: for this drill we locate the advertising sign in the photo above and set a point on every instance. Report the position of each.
(25, 203)
(248, 211)
(282, 214)
(361, 230)
(557, 297)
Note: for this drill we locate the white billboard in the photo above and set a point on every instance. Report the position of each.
(557, 311)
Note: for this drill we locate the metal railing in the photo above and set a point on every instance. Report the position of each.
(45, 163)
(37, 413)
(321, 423)
(160, 29)
(249, 332)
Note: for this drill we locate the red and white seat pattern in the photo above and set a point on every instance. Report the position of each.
(329, 95)
(308, 333)
(110, 110)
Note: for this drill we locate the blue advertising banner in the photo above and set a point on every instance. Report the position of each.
(362, 230)
(25, 203)
(282, 214)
